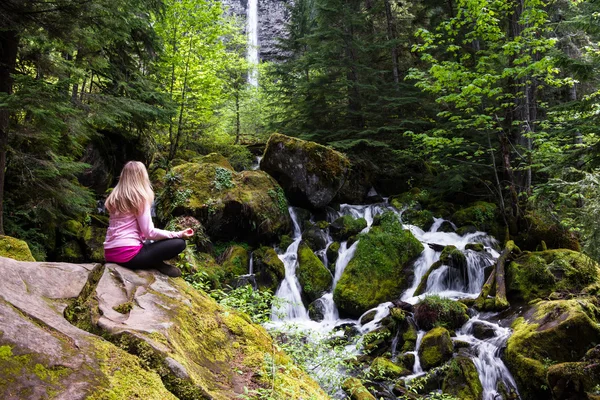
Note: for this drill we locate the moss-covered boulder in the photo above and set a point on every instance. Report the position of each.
(246, 206)
(310, 174)
(550, 332)
(93, 242)
(236, 261)
(542, 228)
(383, 368)
(332, 253)
(482, 215)
(268, 268)
(453, 258)
(575, 380)
(215, 158)
(538, 274)
(314, 237)
(436, 348)
(344, 227)
(475, 247)
(380, 270)
(355, 389)
(314, 278)
(437, 311)
(14, 248)
(462, 380)
(165, 339)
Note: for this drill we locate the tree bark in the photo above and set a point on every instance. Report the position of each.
(9, 43)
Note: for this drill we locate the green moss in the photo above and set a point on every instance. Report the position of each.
(285, 242)
(482, 215)
(453, 258)
(17, 372)
(423, 284)
(475, 247)
(314, 278)
(71, 252)
(215, 158)
(537, 275)
(380, 270)
(555, 331)
(268, 268)
(236, 262)
(356, 390)
(436, 348)
(124, 308)
(462, 380)
(73, 228)
(346, 226)
(437, 311)
(14, 248)
(93, 240)
(382, 368)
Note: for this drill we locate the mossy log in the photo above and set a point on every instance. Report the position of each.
(496, 283)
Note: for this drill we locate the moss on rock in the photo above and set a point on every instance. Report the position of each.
(247, 206)
(382, 368)
(482, 215)
(356, 390)
(346, 226)
(93, 241)
(380, 270)
(538, 274)
(437, 311)
(436, 348)
(268, 268)
(14, 248)
(462, 380)
(215, 158)
(314, 278)
(550, 332)
(235, 262)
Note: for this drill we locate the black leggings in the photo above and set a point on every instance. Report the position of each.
(152, 255)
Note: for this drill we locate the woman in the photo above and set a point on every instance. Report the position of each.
(130, 224)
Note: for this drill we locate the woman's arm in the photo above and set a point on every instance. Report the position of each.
(149, 231)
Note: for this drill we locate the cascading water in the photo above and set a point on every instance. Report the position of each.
(445, 281)
(252, 29)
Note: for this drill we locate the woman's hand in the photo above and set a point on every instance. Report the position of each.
(188, 233)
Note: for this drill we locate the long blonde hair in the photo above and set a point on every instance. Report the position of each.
(133, 192)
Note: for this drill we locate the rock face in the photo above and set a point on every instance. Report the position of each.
(380, 268)
(550, 332)
(165, 339)
(272, 17)
(309, 173)
(248, 205)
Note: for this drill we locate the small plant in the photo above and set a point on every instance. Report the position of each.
(223, 179)
(257, 304)
(278, 197)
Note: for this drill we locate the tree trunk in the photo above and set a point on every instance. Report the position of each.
(175, 144)
(9, 43)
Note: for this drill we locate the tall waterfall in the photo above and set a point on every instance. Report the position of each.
(252, 29)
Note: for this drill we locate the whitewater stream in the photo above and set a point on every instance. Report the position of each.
(445, 282)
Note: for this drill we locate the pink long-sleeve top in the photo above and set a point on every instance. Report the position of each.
(127, 232)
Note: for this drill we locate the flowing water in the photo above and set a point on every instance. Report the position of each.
(252, 29)
(445, 281)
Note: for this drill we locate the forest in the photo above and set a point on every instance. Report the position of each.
(444, 151)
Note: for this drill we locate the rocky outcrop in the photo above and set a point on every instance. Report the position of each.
(165, 339)
(248, 206)
(550, 332)
(310, 174)
(380, 270)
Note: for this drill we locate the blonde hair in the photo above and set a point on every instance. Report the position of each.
(133, 192)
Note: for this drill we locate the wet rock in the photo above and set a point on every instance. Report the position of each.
(314, 278)
(314, 237)
(333, 253)
(269, 270)
(462, 380)
(380, 269)
(367, 317)
(316, 310)
(482, 330)
(344, 227)
(310, 174)
(245, 280)
(447, 227)
(453, 258)
(435, 246)
(436, 348)
(382, 368)
(407, 359)
(358, 187)
(14, 248)
(475, 247)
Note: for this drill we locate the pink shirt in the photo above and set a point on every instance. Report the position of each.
(129, 230)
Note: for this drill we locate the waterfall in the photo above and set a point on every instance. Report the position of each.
(252, 29)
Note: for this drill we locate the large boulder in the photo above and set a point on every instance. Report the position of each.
(550, 332)
(235, 262)
(481, 215)
(539, 274)
(345, 226)
(462, 380)
(436, 348)
(310, 174)
(105, 332)
(246, 206)
(15, 249)
(436, 310)
(380, 269)
(314, 278)
(268, 268)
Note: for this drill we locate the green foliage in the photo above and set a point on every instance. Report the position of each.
(223, 179)
(433, 311)
(278, 197)
(256, 303)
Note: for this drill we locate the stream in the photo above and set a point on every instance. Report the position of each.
(446, 282)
